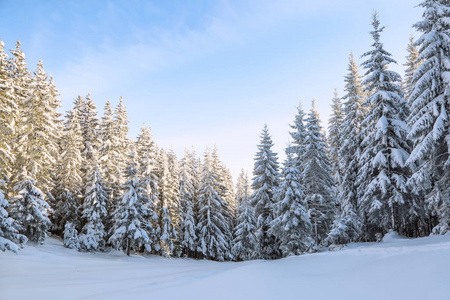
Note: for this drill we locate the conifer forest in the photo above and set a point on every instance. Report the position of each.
(381, 166)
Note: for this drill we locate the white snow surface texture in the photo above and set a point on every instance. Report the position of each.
(397, 268)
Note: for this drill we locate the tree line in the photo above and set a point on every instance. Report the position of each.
(384, 166)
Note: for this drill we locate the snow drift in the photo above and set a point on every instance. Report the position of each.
(397, 268)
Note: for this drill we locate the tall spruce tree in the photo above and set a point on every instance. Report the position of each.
(68, 188)
(187, 236)
(90, 133)
(245, 243)
(35, 144)
(241, 188)
(230, 197)
(265, 182)
(147, 154)
(224, 188)
(334, 131)
(173, 180)
(168, 194)
(412, 62)
(45, 124)
(429, 119)
(20, 87)
(317, 179)
(382, 174)
(108, 154)
(212, 227)
(94, 208)
(347, 227)
(298, 135)
(292, 225)
(122, 142)
(131, 229)
(8, 117)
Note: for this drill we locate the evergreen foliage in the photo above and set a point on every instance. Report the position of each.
(147, 154)
(35, 140)
(132, 229)
(90, 133)
(317, 179)
(70, 236)
(265, 182)
(297, 146)
(245, 243)
(94, 210)
(8, 117)
(430, 107)
(292, 225)
(186, 229)
(212, 227)
(378, 173)
(30, 209)
(412, 62)
(10, 238)
(168, 197)
(382, 174)
(347, 226)
(335, 139)
(68, 189)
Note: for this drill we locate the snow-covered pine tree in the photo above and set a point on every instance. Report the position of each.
(297, 146)
(245, 243)
(122, 142)
(68, 175)
(173, 198)
(20, 86)
(94, 208)
(224, 188)
(382, 174)
(265, 183)
(335, 140)
(131, 229)
(30, 209)
(35, 144)
(147, 155)
(347, 227)
(55, 103)
(412, 62)
(165, 230)
(10, 238)
(37, 140)
(196, 183)
(212, 227)
(291, 226)
(186, 230)
(108, 153)
(430, 109)
(317, 179)
(90, 133)
(219, 173)
(8, 118)
(70, 236)
(240, 187)
(230, 197)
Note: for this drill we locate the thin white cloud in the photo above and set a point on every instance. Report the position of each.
(102, 67)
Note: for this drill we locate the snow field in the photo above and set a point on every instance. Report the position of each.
(397, 269)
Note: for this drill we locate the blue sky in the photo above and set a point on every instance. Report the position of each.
(205, 72)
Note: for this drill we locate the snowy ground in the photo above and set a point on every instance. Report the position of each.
(394, 269)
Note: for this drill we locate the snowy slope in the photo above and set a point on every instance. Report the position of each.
(394, 269)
